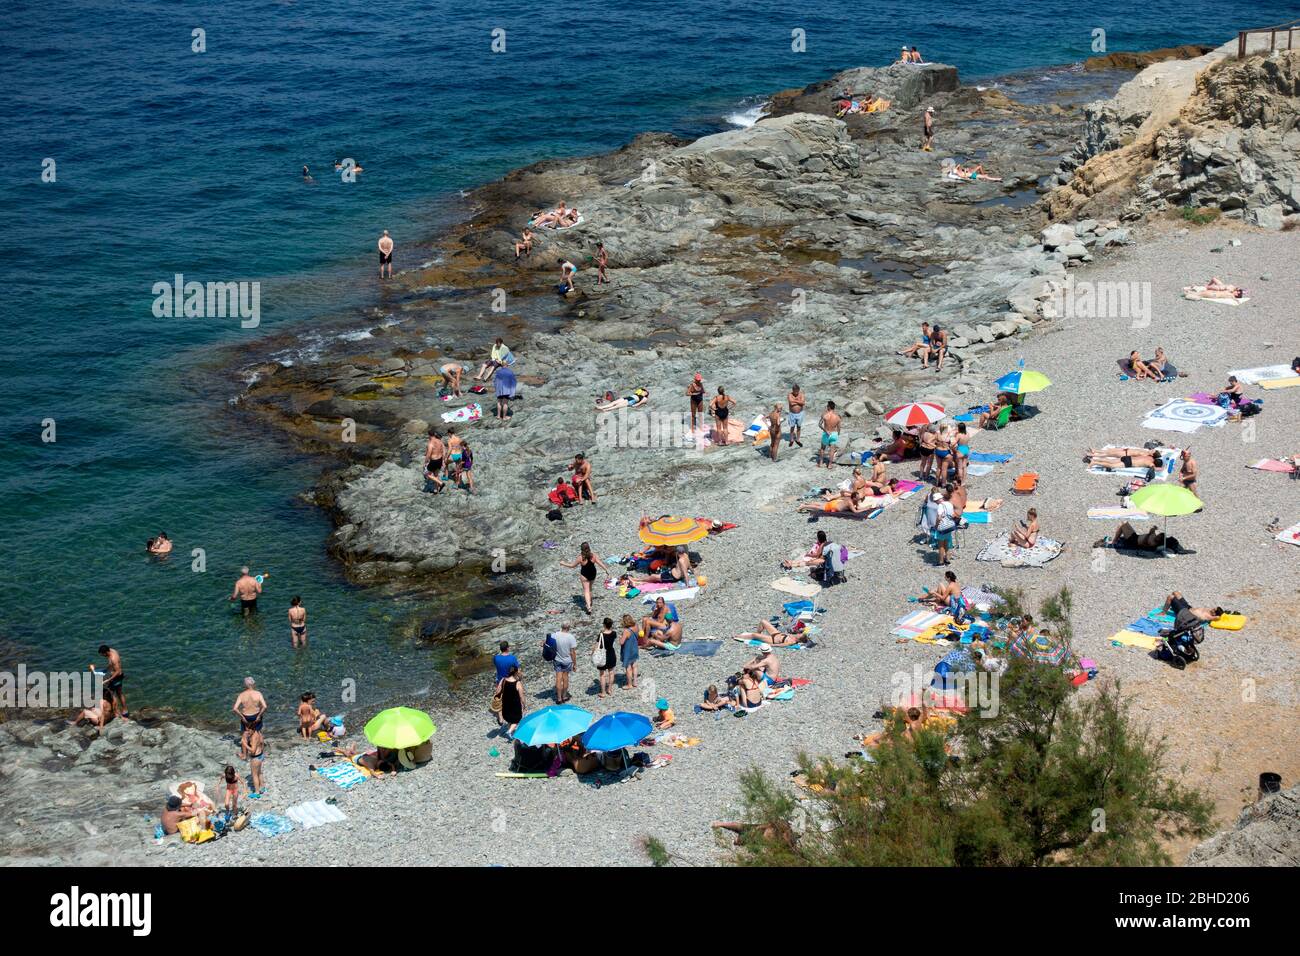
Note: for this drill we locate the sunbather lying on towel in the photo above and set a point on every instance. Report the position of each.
(557, 218)
(972, 171)
(1184, 614)
(1140, 368)
(1216, 288)
(961, 503)
(769, 633)
(840, 503)
(1124, 458)
(812, 559)
(1126, 538)
(610, 402)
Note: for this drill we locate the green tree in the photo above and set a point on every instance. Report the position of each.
(1053, 778)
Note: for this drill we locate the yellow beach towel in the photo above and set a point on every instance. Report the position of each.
(1134, 639)
(1280, 382)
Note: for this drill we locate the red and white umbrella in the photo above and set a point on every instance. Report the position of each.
(914, 414)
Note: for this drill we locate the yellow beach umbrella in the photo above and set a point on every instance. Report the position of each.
(672, 530)
(399, 727)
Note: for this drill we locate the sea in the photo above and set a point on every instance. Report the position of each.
(148, 141)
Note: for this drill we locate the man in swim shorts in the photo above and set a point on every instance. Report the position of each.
(385, 254)
(830, 425)
(567, 271)
(435, 452)
(297, 622)
(794, 420)
(113, 680)
(246, 590)
(250, 705)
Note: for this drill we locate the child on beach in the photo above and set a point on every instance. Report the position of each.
(229, 787)
(665, 718)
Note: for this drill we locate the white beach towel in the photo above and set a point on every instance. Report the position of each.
(1182, 415)
(803, 589)
(1197, 294)
(1253, 376)
(1291, 535)
(470, 413)
(672, 594)
(317, 813)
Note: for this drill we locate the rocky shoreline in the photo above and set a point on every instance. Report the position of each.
(802, 248)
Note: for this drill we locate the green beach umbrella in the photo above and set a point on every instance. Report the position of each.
(1167, 501)
(399, 727)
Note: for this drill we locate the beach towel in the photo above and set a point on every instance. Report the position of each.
(316, 813)
(1172, 458)
(1289, 382)
(1254, 376)
(754, 642)
(676, 594)
(706, 648)
(735, 433)
(978, 469)
(469, 413)
(1129, 638)
(1290, 535)
(1117, 512)
(920, 622)
(270, 824)
(1185, 415)
(1272, 464)
(974, 596)
(554, 228)
(975, 517)
(1197, 293)
(345, 775)
(1011, 556)
(803, 589)
(995, 458)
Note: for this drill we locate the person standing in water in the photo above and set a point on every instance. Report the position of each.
(385, 254)
(297, 622)
(246, 590)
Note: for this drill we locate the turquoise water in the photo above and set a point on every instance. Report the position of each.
(171, 161)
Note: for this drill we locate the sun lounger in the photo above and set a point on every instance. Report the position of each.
(1025, 484)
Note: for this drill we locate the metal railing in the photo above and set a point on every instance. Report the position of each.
(1287, 30)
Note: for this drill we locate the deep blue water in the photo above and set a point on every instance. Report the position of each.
(169, 161)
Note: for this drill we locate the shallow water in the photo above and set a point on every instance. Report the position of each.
(171, 161)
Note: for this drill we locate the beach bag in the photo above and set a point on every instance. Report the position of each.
(549, 648)
(495, 706)
(598, 657)
(192, 832)
(945, 524)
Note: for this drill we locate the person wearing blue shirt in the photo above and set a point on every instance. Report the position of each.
(504, 661)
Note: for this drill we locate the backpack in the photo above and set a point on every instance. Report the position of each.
(549, 648)
(837, 556)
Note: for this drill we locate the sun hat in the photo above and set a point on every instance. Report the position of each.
(662, 703)
(764, 647)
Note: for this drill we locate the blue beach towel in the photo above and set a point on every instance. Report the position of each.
(344, 774)
(975, 517)
(795, 608)
(994, 457)
(1144, 625)
(270, 824)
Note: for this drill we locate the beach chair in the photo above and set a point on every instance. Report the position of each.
(1001, 421)
(1025, 484)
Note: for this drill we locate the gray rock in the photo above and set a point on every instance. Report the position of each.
(1057, 235)
(1266, 834)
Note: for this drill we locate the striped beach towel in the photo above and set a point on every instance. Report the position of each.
(317, 813)
(345, 775)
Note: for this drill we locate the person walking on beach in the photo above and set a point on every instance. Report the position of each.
(385, 254)
(695, 392)
(586, 562)
(830, 426)
(602, 263)
(256, 746)
(774, 431)
(503, 660)
(246, 591)
(113, 680)
(297, 622)
(927, 130)
(510, 692)
(250, 705)
(581, 469)
(605, 642)
(720, 408)
(566, 661)
(629, 651)
(795, 401)
(435, 454)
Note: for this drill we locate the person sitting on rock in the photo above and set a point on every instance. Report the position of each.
(563, 494)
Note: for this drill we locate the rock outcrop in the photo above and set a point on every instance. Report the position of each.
(1212, 131)
(1266, 834)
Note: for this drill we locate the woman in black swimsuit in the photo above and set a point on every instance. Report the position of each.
(721, 408)
(586, 563)
(605, 644)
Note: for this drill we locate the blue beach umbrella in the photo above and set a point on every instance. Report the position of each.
(616, 731)
(1022, 381)
(552, 725)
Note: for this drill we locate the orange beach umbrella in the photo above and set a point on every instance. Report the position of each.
(672, 530)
